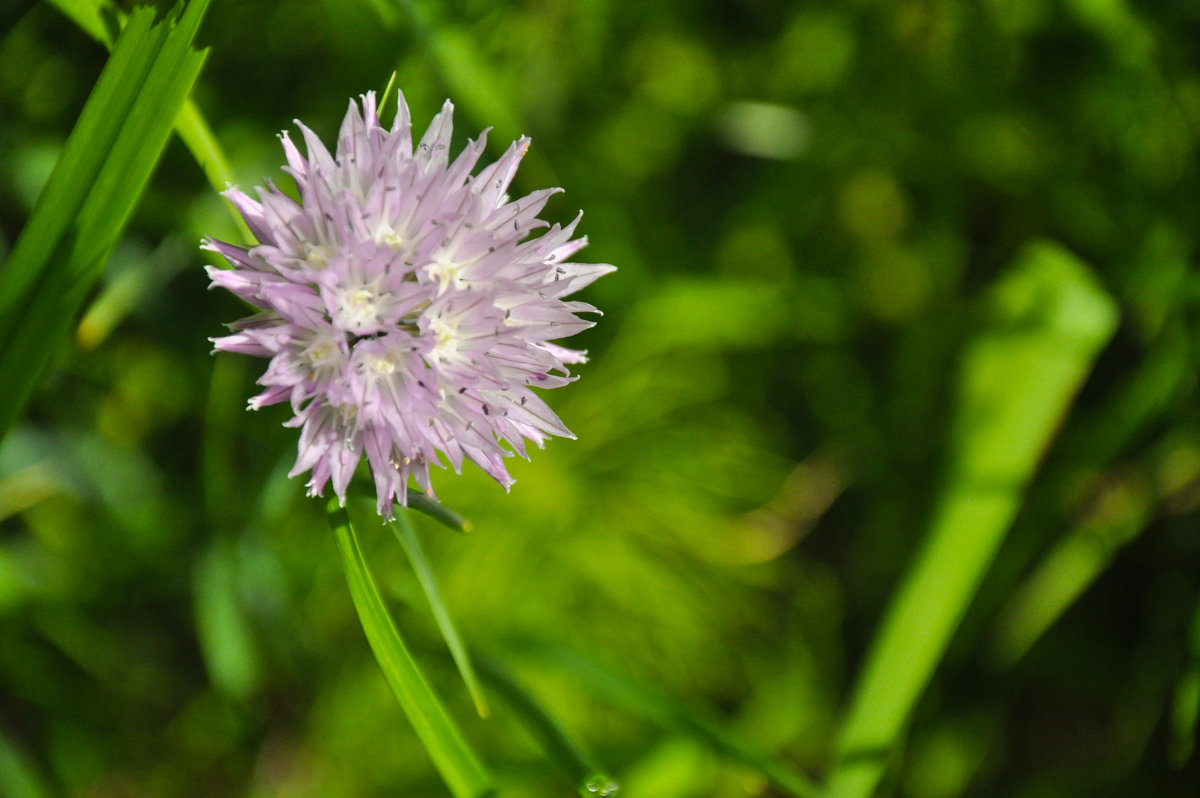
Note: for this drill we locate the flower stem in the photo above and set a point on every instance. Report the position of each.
(457, 763)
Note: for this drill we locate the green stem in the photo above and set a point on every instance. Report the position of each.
(449, 752)
(438, 512)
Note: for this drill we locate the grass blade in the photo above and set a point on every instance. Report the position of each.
(78, 167)
(105, 165)
(1120, 507)
(457, 764)
(1070, 567)
(191, 125)
(411, 544)
(1047, 321)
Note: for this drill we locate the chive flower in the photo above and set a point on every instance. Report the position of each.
(405, 308)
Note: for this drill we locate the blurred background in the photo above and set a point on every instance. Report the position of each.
(806, 202)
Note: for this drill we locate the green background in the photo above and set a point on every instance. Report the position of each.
(807, 204)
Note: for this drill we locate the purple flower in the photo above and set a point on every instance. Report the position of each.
(406, 311)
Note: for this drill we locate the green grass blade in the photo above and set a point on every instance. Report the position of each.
(191, 124)
(661, 709)
(78, 167)
(457, 764)
(590, 779)
(89, 196)
(1047, 320)
(411, 544)
(1069, 568)
(136, 150)
(1125, 506)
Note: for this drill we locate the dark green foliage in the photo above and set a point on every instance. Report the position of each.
(809, 205)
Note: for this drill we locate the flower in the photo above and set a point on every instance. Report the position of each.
(405, 309)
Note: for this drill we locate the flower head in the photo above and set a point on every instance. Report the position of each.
(404, 306)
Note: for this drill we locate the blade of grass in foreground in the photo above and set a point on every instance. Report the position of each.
(91, 17)
(1047, 320)
(411, 544)
(457, 764)
(83, 208)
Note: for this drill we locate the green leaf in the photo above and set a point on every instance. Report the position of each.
(1124, 507)
(79, 165)
(411, 544)
(1124, 510)
(97, 18)
(1046, 322)
(89, 196)
(449, 752)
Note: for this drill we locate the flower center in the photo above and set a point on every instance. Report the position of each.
(323, 356)
(358, 308)
(445, 337)
(386, 235)
(317, 257)
(447, 273)
(381, 366)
